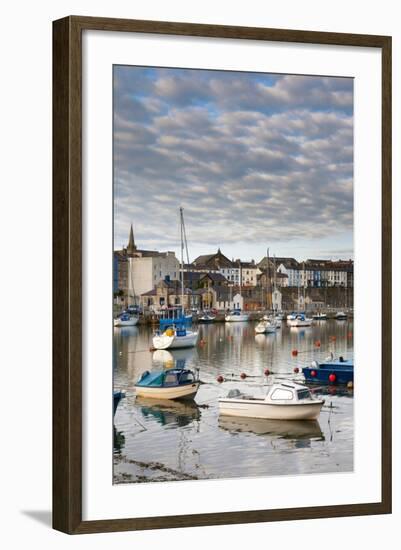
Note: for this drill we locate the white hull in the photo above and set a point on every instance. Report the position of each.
(130, 323)
(341, 316)
(175, 342)
(236, 318)
(265, 327)
(299, 323)
(178, 392)
(260, 409)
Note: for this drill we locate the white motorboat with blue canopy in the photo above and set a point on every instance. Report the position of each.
(236, 316)
(300, 320)
(126, 320)
(283, 401)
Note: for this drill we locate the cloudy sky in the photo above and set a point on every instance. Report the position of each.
(256, 160)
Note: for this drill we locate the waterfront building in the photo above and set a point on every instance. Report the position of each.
(147, 271)
(168, 294)
(281, 280)
(249, 272)
(291, 268)
(219, 263)
(228, 298)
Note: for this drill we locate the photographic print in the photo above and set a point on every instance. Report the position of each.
(233, 269)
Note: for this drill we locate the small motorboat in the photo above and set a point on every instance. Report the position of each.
(126, 320)
(176, 336)
(117, 396)
(320, 317)
(300, 321)
(340, 316)
(331, 371)
(172, 383)
(283, 401)
(265, 327)
(206, 318)
(236, 316)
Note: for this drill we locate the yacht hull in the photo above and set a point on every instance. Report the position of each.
(175, 342)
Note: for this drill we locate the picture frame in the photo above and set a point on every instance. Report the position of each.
(68, 404)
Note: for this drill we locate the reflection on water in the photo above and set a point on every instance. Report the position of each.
(287, 429)
(169, 440)
(174, 414)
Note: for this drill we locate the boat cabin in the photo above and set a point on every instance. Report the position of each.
(166, 378)
(285, 392)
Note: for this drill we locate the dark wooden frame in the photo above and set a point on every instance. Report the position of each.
(67, 274)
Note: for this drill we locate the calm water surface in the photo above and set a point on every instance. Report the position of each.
(159, 441)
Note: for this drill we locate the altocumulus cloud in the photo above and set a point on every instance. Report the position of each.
(251, 157)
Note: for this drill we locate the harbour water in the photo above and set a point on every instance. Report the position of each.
(164, 441)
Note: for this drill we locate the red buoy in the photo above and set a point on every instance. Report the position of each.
(332, 377)
(267, 372)
(294, 352)
(313, 373)
(296, 370)
(220, 379)
(317, 343)
(242, 375)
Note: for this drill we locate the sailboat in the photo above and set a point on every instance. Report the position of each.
(266, 325)
(236, 315)
(176, 334)
(301, 319)
(127, 319)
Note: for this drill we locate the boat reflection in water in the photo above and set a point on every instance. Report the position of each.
(168, 412)
(298, 430)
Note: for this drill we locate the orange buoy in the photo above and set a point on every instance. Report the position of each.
(294, 352)
(317, 343)
(242, 375)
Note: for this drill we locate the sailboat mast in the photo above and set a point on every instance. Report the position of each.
(275, 281)
(267, 280)
(182, 256)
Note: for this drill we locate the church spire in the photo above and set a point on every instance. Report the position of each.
(131, 243)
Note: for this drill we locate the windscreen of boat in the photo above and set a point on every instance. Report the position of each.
(303, 394)
(170, 379)
(186, 377)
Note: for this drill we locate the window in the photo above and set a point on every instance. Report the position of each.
(186, 377)
(303, 394)
(280, 393)
(170, 379)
